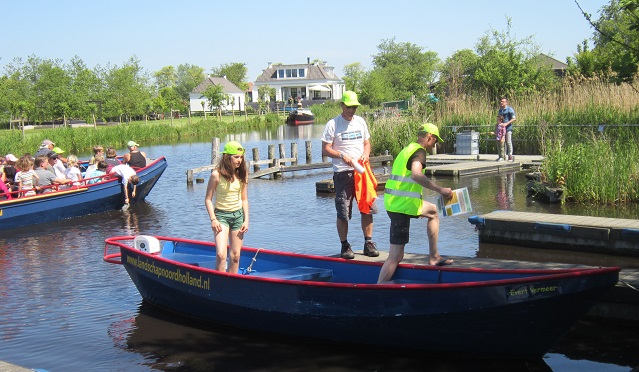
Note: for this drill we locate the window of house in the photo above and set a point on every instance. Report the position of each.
(290, 73)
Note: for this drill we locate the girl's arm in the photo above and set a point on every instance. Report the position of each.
(245, 208)
(214, 180)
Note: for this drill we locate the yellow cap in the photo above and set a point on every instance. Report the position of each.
(432, 129)
(233, 148)
(349, 98)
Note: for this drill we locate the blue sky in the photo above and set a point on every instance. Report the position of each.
(210, 33)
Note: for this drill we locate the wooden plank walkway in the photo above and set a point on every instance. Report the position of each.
(470, 168)
(583, 233)
(279, 166)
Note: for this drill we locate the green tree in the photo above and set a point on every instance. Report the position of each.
(170, 100)
(188, 77)
(126, 91)
(510, 67)
(166, 77)
(375, 89)
(616, 40)
(215, 97)
(264, 96)
(456, 73)
(53, 89)
(354, 76)
(84, 100)
(407, 69)
(235, 73)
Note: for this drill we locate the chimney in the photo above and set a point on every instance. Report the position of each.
(308, 60)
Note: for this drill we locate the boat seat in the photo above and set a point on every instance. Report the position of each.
(191, 259)
(297, 273)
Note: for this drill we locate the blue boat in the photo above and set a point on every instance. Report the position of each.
(495, 312)
(77, 201)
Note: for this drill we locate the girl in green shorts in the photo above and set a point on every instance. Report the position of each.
(230, 212)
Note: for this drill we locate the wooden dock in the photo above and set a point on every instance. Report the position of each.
(275, 166)
(582, 233)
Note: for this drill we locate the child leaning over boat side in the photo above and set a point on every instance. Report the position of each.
(230, 213)
(129, 177)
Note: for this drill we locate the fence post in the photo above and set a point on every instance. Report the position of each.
(309, 157)
(294, 154)
(256, 158)
(215, 149)
(189, 176)
(271, 157)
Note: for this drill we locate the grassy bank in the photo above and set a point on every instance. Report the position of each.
(75, 140)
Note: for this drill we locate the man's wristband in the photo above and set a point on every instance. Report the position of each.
(341, 156)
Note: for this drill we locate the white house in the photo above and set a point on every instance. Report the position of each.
(235, 95)
(309, 81)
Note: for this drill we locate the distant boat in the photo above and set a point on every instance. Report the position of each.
(300, 116)
(78, 200)
(438, 309)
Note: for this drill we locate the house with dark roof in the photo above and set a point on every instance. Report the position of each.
(307, 81)
(235, 101)
(558, 67)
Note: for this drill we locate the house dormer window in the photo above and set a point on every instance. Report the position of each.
(291, 73)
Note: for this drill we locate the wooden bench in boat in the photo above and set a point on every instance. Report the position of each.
(297, 273)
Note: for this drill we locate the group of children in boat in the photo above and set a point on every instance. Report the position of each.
(48, 170)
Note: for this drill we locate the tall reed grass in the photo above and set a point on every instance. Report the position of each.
(588, 132)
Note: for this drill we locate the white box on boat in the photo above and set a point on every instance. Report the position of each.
(148, 244)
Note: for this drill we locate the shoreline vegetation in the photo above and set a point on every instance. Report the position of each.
(588, 133)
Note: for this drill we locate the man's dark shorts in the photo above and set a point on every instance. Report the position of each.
(399, 227)
(344, 184)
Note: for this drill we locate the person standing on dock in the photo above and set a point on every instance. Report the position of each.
(403, 200)
(509, 117)
(346, 140)
(230, 212)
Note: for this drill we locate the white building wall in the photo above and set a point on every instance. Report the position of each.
(195, 103)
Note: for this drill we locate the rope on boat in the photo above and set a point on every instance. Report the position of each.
(249, 269)
(628, 285)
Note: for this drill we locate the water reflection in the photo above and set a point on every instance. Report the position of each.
(176, 343)
(504, 197)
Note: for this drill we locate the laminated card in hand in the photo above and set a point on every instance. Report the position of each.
(459, 204)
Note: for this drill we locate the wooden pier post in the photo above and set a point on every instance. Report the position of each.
(294, 154)
(215, 149)
(256, 158)
(309, 157)
(271, 157)
(189, 176)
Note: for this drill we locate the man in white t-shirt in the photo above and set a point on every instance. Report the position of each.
(346, 141)
(128, 176)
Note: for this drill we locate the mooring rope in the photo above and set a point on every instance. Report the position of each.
(249, 269)
(628, 285)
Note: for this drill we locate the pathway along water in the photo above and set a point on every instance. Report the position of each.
(63, 308)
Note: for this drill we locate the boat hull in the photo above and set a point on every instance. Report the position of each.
(296, 118)
(520, 316)
(76, 202)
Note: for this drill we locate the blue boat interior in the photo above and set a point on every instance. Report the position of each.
(267, 264)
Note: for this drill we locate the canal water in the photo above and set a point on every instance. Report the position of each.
(62, 308)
